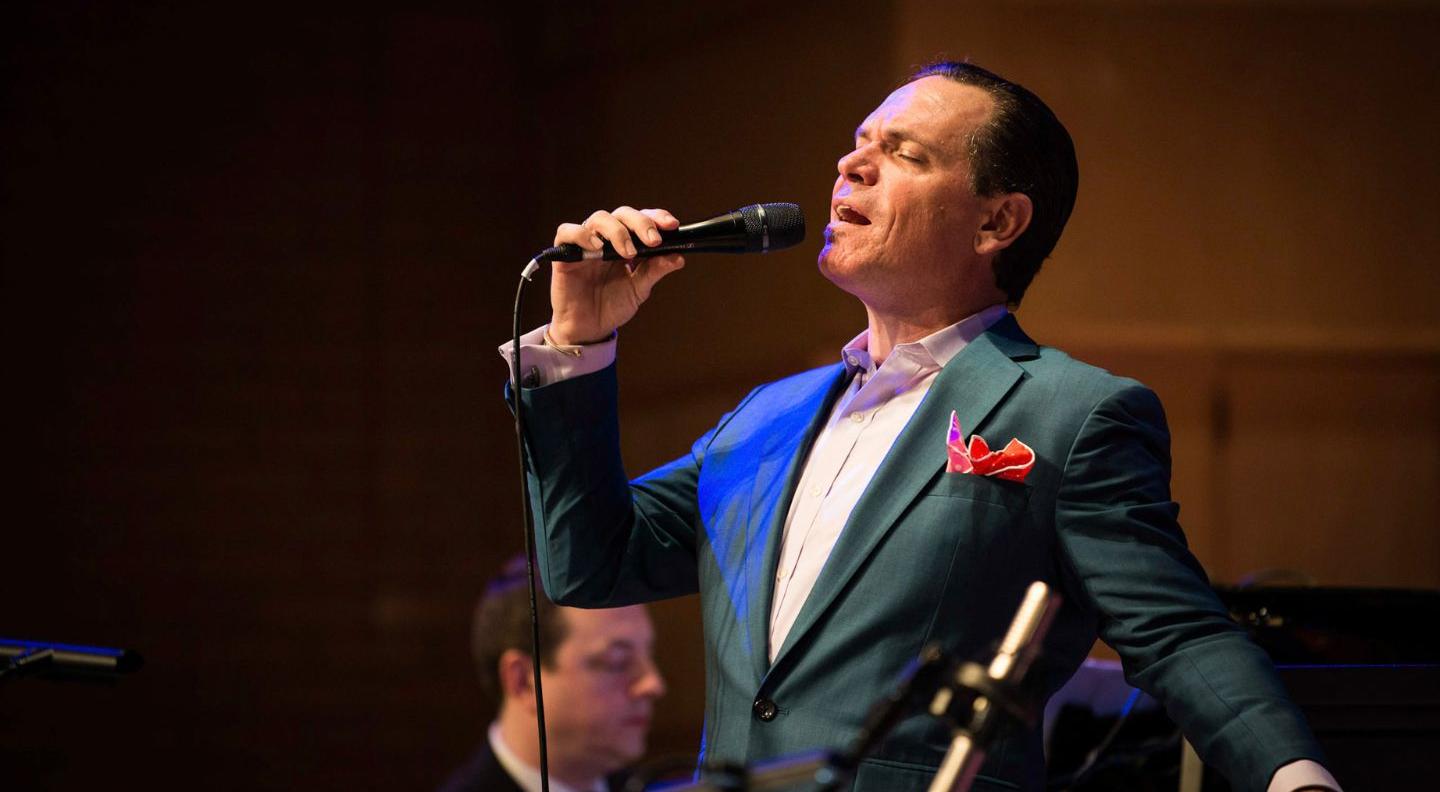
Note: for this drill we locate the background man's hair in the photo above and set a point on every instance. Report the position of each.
(1022, 148)
(502, 622)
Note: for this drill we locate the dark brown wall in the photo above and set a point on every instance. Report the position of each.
(253, 287)
(1255, 238)
(256, 264)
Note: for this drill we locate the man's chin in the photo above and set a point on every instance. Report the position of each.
(630, 738)
(831, 261)
(839, 268)
(630, 751)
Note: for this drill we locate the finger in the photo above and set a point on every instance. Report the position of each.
(576, 234)
(652, 270)
(617, 233)
(662, 218)
(641, 224)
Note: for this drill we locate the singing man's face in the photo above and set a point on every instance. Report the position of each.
(903, 218)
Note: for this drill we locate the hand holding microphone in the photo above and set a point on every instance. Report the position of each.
(589, 300)
(592, 293)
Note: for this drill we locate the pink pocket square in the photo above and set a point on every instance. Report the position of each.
(1012, 463)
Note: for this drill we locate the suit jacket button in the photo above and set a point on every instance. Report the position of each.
(765, 709)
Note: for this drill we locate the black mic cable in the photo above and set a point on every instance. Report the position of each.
(528, 521)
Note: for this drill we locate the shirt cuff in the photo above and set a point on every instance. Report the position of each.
(1302, 774)
(543, 364)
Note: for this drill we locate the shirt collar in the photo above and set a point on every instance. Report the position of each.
(932, 351)
(525, 776)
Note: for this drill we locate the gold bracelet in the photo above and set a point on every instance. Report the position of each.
(573, 350)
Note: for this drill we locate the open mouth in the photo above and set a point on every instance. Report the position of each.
(846, 214)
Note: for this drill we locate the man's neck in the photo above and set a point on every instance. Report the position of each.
(889, 330)
(522, 739)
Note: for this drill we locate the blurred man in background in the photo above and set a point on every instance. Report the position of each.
(600, 684)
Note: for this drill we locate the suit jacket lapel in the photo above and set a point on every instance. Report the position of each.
(972, 385)
(777, 474)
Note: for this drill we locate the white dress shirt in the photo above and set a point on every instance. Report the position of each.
(525, 776)
(866, 420)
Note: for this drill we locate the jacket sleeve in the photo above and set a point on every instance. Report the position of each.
(1119, 532)
(603, 541)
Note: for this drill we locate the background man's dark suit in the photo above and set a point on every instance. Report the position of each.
(482, 773)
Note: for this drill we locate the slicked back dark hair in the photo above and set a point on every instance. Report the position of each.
(502, 622)
(1022, 148)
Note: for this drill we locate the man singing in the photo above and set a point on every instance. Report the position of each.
(837, 521)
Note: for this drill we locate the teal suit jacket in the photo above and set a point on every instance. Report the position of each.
(927, 556)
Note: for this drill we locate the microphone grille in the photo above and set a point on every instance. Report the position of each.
(773, 226)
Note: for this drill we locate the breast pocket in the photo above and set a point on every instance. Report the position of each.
(957, 516)
(1012, 495)
(985, 518)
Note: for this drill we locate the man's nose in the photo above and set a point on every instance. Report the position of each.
(857, 167)
(650, 684)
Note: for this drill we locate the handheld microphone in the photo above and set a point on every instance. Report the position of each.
(758, 228)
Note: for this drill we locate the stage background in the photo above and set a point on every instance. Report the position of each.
(257, 261)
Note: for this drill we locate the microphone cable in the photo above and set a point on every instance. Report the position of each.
(528, 518)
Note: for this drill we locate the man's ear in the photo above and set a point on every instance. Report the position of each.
(1007, 217)
(516, 680)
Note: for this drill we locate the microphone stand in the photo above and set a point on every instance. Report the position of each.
(980, 702)
(66, 661)
(999, 703)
